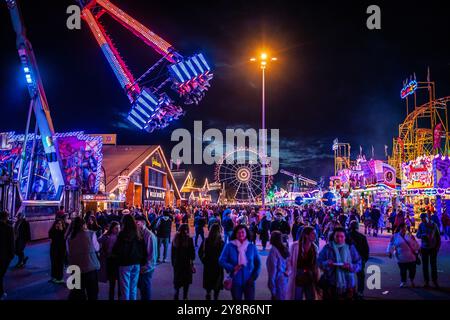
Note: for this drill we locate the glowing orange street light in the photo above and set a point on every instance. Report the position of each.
(263, 62)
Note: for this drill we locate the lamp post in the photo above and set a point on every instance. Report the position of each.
(263, 62)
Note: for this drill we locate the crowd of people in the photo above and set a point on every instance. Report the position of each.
(315, 252)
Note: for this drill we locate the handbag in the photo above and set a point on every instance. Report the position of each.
(228, 283)
(418, 261)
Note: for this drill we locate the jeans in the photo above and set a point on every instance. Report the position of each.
(227, 235)
(165, 243)
(307, 290)
(200, 233)
(145, 285)
(89, 287)
(128, 281)
(248, 291)
(429, 257)
(447, 232)
(405, 268)
(3, 268)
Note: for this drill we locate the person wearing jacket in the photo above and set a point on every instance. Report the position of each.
(446, 224)
(406, 249)
(428, 233)
(280, 224)
(302, 265)
(6, 249)
(228, 225)
(109, 271)
(209, 254)
(276, 264)
(163, 228)
(199, 226)
(297, 227)
(57, 250)
(359, 241)
(183, 256)
(129, 250)
(264, 229)
(241, 260)
(82, 248)
(22, 237)
(145, 276)
(339, 263)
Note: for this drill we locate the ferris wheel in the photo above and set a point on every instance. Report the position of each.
(242, 171)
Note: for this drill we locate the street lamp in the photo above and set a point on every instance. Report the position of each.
(263, 62)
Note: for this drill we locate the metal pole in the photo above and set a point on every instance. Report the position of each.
(263, 105)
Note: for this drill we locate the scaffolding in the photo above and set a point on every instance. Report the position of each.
(423, 125)
(341, 156)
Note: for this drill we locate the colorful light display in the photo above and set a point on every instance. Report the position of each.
(81, 157)
(409, 89)
(418, 174)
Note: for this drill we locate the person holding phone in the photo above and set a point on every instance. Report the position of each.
(339, 263)
(241, 260)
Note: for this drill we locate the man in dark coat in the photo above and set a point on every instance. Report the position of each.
(280, 224)
(6, 249)
(22, 237)
(359, 241)
(375, 216)
(163, 228)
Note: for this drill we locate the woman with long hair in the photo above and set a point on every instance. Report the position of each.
(57, 250)
(241, 260)
(209, 254)
(183, 256)
(82, 247)
(130, 253)
(109, 271)
(302, 267)
(339, 263)
(277, 266)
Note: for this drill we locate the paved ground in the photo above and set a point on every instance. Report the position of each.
(31, 283)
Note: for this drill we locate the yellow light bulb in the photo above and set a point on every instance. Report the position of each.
(263, 56)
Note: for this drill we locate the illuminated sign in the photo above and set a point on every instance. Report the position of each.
(155, 194)
(418, 174)
(156, 163)
(409, 89)
(94, 197)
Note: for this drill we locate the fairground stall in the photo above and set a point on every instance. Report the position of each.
(134, 175)
(365, 183)
(426, 184)
(35, 194)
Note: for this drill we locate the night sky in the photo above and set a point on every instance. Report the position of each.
(334, 78)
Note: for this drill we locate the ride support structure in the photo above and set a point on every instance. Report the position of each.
(38, 106)
(424, 132)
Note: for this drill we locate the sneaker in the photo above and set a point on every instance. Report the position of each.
(402, 285)
(59, 281)
(52, 280)
(24, 261)
(3, 296)
(413, 285)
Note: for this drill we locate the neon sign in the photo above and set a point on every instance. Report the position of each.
(409, 89)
